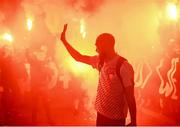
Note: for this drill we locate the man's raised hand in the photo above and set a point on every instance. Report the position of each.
(63, 34)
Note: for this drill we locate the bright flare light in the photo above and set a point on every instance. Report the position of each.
(82, 28)
(29, 24)
(172, 11)
(8, 37)
(76, 67)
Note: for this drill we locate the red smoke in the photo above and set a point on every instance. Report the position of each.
(9, 9)
(86, 6)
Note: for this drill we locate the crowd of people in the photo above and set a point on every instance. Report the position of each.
(30, 82)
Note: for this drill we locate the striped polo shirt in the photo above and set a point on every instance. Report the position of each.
(110, 99)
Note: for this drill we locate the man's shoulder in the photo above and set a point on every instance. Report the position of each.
(123, 63)
(127, 67)
(121, 60)
(94, 60)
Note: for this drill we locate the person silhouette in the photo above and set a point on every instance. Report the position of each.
(115, 93)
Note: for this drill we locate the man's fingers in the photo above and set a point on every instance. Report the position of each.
(63, 36)
(65, 28)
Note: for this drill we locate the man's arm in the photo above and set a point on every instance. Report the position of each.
(73, 52)
(129, 94)
(127, 75)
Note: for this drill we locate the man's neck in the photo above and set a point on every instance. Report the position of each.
(110, 56)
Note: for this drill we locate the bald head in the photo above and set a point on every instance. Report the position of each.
(105, 42)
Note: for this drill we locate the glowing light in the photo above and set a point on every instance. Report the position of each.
(172, 11)
(29, 23)
(7, 37)
(82, 28)
(76, 67)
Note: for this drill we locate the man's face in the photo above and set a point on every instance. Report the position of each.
(101, 52)
(99, 49)
(104, 43)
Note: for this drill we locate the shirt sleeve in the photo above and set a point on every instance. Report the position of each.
(127, 74)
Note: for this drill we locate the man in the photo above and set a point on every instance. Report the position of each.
(9, 77)
(41, 77)
(112, 93)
